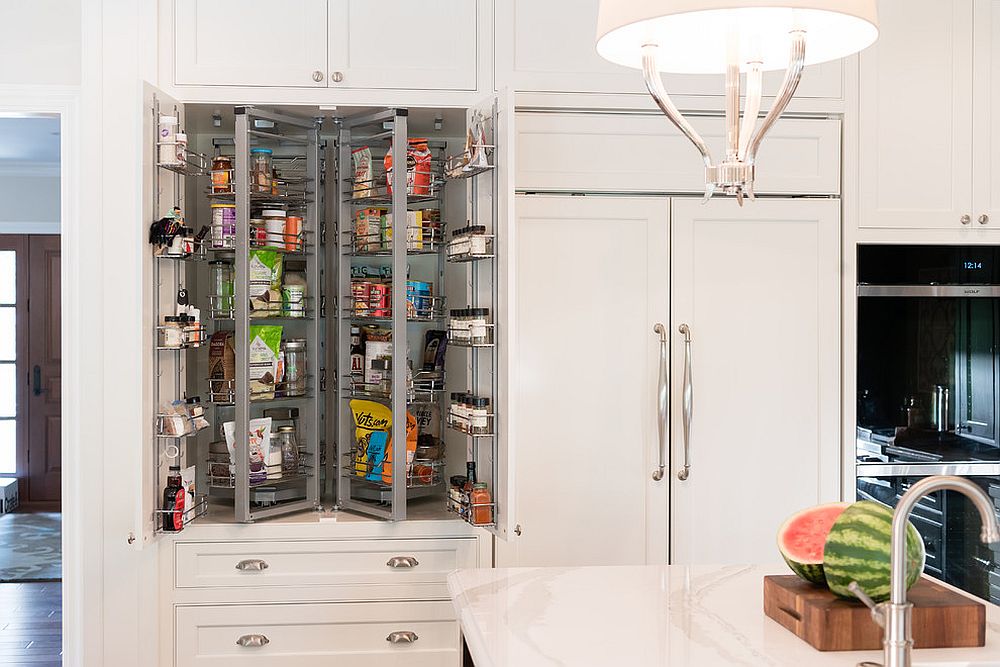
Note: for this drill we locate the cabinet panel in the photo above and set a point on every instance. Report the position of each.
(526, 31)
(916, 116)
(759, 288)
(311, 635)
(987, 113)
(646, 153)
(322, 563)
(250, 42)
(404, 44)
(592, 281)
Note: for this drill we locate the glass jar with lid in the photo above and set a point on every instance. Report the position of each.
(222, 288)
(295, 366)
(222, 174)
(289, 450)
(260, 169)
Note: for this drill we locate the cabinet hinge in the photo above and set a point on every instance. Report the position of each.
(322, 233)
(322, 379)
(322, 306)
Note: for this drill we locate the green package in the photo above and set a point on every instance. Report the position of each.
(265, 268)
(265, 369)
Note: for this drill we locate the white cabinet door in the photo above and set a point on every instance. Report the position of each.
(404, 44)
(916, 116)
(250, 42)
(592, 278)
(579, 152)
(550, 46)
(987, 115)
(759, 288)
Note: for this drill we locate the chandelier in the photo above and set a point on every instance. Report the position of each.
(733, 37)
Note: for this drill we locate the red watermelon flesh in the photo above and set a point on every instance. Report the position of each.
(802, 537)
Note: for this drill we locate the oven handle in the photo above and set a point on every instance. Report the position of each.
(972, 291)
(969, 469)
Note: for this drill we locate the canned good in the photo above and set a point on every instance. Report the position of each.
(223, 226)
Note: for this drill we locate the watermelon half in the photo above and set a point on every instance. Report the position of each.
(802, 536)
(857, 549)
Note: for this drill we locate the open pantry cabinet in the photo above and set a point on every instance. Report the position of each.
(287, 254)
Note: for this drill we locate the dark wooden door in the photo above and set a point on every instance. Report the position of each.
(44, 442)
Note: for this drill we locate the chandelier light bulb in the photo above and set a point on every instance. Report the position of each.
(732, 37)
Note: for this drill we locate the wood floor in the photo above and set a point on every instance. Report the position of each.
(31, 625)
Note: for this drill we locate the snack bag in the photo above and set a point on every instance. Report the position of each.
(363, 176)
(411, 449)
(418, 168)
(264, 351)
(371, 418)
(265, 268)
(259, 442)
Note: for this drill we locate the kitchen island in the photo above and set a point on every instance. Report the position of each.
(682, 616)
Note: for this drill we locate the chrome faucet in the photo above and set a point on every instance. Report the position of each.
(895, 616)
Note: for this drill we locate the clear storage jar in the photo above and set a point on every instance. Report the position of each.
(260, 169)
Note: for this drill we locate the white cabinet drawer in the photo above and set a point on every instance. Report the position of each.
(320, 563)
(566, 152)
(310, 635)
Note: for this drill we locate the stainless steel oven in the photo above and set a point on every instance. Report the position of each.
(928, 370)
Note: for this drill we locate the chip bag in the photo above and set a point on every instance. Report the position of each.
(373, 439)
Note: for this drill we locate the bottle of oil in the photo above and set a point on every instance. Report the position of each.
(173, 501)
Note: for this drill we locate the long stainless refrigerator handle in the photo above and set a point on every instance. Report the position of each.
(661, 402)
(687, 402)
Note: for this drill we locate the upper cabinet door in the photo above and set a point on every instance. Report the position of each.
(986, 212)
(549, 47)
(250, 43)
(402, 44)
(916, 117)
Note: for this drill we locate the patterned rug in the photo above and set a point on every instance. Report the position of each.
(30, 546)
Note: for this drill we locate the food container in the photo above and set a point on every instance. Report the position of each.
(295, 366)
(260, 169)
(167, 154)
(274, 226)
(419, 303)
(223, 226)
(293, 233)
(222, 174)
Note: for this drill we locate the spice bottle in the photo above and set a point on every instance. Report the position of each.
(173, 501)
(477, 326)
(480, 419)
(357, 354)
(171, 333)
(480, 504)
(478, 241)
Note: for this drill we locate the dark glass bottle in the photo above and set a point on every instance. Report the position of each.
(173, 501)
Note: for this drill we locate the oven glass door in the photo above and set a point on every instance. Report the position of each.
(949, 526)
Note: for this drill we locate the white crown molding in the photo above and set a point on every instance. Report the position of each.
(28, 168)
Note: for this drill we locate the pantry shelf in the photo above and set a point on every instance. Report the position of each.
(469, 257)
(192, 164)
(199, 509)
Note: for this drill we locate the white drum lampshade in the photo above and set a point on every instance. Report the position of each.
(730, 37)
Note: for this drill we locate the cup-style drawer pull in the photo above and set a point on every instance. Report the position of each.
(402, 637)
(402, 562)
(252, 565)
(253, 641)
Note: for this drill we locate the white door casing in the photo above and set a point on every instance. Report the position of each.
(759, 288)
(986, 107)
(592, 281)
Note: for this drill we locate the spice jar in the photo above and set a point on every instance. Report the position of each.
(289, 450)
(460, 244)
(479, 418)
(478, 326)
(171, 333)
(260, 169)
(480, 504)
(222, 174)
(222, 288)
(478, 240)
(455, 411)
(274, 225)
(168, 141)
(191, 329)
(223, 226)
(455, 494)
(458, 331)
(295, 366)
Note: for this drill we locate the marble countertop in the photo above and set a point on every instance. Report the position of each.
(682, 616)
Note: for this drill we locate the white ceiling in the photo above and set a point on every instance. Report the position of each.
(29, 141)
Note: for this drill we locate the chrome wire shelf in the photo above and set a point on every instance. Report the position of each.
(377, 307)
(192, 164)
(222, 307)
(199, 509)
(473, 431)
(192, 337)
(471, 162)
(467, 511)
(223, 392)
(420, 473)
(422, 240)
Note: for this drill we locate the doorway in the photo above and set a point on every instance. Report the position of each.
(30, 390)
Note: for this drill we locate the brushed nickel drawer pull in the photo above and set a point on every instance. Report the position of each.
(402, 637)
(402, 562)
(253, 641)
(252, 565)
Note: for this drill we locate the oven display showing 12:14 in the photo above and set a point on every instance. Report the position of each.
(971, 266)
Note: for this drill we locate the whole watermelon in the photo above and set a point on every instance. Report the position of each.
(857, 549)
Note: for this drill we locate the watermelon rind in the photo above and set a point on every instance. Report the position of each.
(858, 547)
(810, 571)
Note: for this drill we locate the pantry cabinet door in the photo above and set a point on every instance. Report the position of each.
(916, 117)
(550, 47)
(987, 114)
(592, 281)
(759, 290)
(250, 43)
(403, 44)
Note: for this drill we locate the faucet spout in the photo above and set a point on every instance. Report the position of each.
(898, 642)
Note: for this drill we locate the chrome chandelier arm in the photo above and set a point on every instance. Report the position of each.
(792, 77)
(654, 84)
(751, 108)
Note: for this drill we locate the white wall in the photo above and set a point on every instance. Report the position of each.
(41, 42)
(29, 204)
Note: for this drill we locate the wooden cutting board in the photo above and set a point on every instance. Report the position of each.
(941, 617)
